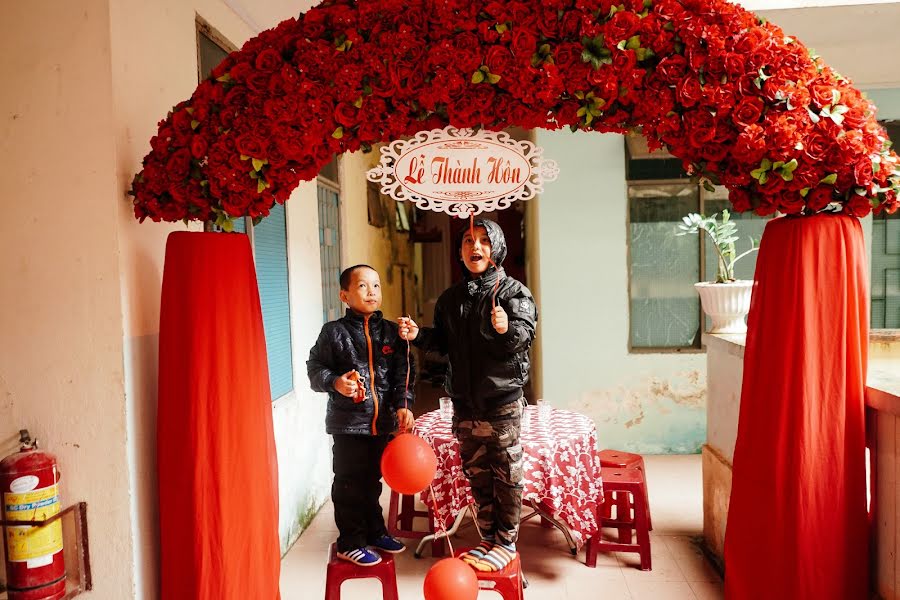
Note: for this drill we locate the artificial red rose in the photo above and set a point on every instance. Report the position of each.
(862, 172)
(567, 55)
(672, 68)
(750, 145)
(268, 60)
(719, 99)
(669, 10)
(499, 60)
(821, 94)
(548, 22)
(179, 164)
(858, 206)
(346, 114)
(819, 198)
(740, 199)
(851, 143)
(773, 186)
(689, 91)
(624, 62)
(570, 26)
(258, 81)
(748, 111)
(524, 43)
(735, 66)
(250, 144)
(700, 126)
(241, 71)
(622, 26)
(792, 203)
(198, 146)
(766, 206)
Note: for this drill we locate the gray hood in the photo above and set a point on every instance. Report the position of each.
(498, 244)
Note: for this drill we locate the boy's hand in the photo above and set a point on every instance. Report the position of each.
(405, 419)
(408, 329)
(348, 384)
(499, 320)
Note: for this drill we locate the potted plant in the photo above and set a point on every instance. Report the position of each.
(727, 300)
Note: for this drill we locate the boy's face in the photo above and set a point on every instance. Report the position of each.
(475, 253)
(363, 295)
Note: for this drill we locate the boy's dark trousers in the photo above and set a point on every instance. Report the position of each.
(491, 456)
(357, 488)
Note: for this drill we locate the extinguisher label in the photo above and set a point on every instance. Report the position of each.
(30, 543)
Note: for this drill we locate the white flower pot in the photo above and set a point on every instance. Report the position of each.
(726, 304)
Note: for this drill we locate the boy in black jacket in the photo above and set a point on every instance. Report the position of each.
(361, 362)
(488, 352)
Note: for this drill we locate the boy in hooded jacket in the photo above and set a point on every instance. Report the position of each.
(485, 325)
(360, 361)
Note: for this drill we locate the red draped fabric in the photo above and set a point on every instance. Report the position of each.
(218, 480)
(797, 523)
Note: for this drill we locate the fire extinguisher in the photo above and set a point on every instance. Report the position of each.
(29, 483)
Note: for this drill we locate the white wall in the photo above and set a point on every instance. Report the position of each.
(61, 369)
(650, 403)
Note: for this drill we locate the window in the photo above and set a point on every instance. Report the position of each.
(886, 261)
(329, 199)
(212, 48)
(269, 241)
(665, 313)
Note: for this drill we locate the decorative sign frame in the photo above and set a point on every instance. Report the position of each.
(462, 171)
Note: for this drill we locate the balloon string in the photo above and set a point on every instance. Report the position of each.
(440, 521)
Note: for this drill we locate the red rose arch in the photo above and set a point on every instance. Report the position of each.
(740, 102)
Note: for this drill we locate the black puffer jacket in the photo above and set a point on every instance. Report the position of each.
(344, 345)
(486, 368)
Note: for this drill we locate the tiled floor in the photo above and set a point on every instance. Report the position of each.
(679, 570)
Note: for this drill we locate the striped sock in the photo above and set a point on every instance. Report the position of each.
(497, 559)
(478, 552)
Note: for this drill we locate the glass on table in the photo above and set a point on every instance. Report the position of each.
(446, 405)
(543, 410)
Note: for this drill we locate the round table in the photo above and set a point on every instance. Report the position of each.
(561, 469)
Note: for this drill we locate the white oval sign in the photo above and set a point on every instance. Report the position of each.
(25, 483)
(461, 171)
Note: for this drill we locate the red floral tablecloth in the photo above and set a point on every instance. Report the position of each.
(561, 466)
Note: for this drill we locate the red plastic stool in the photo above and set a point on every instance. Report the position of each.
(401, 513)
(340, 571)
(507, 582)
(626, 460)
(616, 484)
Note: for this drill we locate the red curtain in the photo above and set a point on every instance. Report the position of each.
(797, 523)
(218, 479)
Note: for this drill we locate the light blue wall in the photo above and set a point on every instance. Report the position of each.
(648, 403)
(888, 102)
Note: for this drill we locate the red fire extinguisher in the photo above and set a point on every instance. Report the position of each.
(29, 483)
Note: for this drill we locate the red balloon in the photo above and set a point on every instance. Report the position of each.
(408, 464)
(451, 579)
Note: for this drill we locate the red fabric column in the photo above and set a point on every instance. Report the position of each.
(797, 523)
(218, 478)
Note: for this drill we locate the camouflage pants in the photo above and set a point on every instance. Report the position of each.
(492, 461)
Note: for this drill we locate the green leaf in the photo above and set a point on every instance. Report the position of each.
(763, 178)
(708, 186)
(621, 45)
(765, 164)
(804, 192)
(227, 226)
(338, 133)
(830, 179)
(261, 185)
(244, 157)
(195, 124)
(226, 78)
(493, 78)
(634, 42)
(258, 164)
(477, 77)
(501, 28)
(358, 102)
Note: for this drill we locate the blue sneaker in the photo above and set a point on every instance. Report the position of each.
(360, 556)
(389, 544)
